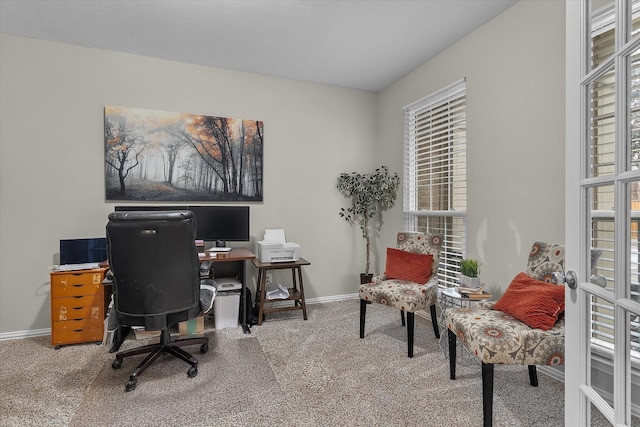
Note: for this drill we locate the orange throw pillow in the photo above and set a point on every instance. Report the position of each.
(408, 266)
(536, 303)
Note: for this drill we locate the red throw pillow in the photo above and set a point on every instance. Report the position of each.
(408, 266)
(536, 303)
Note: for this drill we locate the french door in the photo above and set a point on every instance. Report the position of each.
(602, 210)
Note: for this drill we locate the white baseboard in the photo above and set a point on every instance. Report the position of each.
(331, 298)
(24, 334)
(47, 331)
(554, 373)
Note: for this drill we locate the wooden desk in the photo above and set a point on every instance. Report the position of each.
(296, 295)
(236, 254)
(228, 264)
(231, 264)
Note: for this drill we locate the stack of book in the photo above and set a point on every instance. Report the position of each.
(471, 293)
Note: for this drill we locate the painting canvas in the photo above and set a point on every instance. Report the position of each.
(161, 156)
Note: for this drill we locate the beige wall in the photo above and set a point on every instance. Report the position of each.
(514, 66)
(51, 149)
(51, 158)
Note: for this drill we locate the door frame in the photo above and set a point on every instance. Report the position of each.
(574, 405)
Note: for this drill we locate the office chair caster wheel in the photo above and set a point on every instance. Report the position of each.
(116, 364)
(204, 348)
(193, 371)
(130, 385)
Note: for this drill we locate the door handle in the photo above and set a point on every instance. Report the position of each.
(599, 280)
(570, 279)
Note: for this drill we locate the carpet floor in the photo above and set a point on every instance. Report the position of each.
(287, 372)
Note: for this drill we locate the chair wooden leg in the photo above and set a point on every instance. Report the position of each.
(363, 312)
(434, 321)
(410, 325)
(533, 375)
(452, 354)
(402, 317)
(487, 394)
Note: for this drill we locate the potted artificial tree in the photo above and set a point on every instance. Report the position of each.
(469, 270)
(370, 193)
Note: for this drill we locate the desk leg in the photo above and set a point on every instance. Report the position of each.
(243, 322)
(258, 284)
(261, 272)
(262, 278)
(295, 283)
(304, 306)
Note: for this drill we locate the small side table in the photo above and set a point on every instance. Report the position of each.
(296, 294)
(449, 298)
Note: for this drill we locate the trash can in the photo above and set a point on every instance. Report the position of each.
(227, 303)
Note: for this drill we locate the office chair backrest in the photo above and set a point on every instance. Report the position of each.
(154, 261)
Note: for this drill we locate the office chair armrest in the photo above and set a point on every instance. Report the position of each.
(207, 294)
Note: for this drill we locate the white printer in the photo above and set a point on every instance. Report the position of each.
(275, 248)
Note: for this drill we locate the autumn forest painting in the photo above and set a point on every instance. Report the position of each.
(162, 156)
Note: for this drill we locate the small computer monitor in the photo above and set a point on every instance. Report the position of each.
(221, 224)
(80, 251)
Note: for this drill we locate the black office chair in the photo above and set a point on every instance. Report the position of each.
(156, 278)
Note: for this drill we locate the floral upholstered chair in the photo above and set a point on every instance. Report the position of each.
(521, 328)
(410, 281)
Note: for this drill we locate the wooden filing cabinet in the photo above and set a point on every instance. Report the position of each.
(77, 306)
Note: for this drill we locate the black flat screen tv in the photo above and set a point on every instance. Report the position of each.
(218, 224)
(222, 223)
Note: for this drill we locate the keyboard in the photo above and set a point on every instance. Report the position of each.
(83, 266)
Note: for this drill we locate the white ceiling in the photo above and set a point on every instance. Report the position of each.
(362, 44)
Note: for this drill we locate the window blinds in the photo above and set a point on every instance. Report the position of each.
(435, 173)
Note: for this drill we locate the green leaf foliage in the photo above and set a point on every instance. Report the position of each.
(369, 193)
(470, 267)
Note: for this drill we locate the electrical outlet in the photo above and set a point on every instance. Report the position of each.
(269, 279)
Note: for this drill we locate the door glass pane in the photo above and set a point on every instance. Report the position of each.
(633, 351)
(602, 31)
(602, 126)
(602, 337)
(634, 339)
(601, 201)
(634, 264)
(635, 18)
(597, 418)
(633, 144)
(634, 239)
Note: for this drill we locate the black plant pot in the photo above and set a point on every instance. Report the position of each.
(365, 278)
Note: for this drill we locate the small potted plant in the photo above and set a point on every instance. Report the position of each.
(370, 193)
(469, 270)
